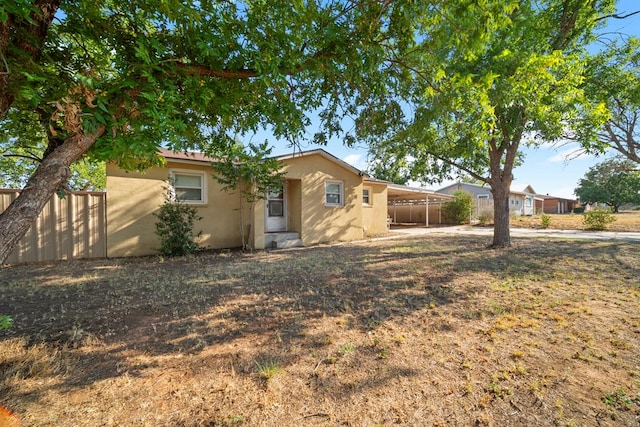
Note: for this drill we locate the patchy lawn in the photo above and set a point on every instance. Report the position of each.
(625, 221)
(430, 331)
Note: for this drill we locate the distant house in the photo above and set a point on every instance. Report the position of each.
(555, 205)
(522, 199)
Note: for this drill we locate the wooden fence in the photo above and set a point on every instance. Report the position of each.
(69, 228)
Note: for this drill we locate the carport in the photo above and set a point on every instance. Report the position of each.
(414, 206)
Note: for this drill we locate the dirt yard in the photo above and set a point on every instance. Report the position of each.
(416, 332)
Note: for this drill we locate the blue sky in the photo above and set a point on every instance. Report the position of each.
(548, 169)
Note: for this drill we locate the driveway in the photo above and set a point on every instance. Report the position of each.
(522, 232)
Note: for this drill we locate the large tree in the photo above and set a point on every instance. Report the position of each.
(472, 106)
(615, 182)
(112, 80)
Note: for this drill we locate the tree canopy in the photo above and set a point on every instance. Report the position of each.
(614, 79)
(473, 105)
(615, 182)
(112, 81)
(22, 146)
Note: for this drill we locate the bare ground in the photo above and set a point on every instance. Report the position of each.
(431, 331)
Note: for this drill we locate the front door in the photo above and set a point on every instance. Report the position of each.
(276, 209)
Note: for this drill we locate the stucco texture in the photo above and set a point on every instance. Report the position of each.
(133, 198)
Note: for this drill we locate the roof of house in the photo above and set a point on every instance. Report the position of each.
(469, 184)
(326, 155)
(406, 193)
(191, 156)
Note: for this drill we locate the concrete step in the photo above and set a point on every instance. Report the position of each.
(290, 243)
(281, 240)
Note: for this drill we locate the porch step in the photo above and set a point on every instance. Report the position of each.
(286, 239)
(292, 243)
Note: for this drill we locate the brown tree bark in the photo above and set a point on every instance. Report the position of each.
(50, 175)
(501, 232)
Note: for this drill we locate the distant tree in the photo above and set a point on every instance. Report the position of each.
(614, 182)
(23, 143)
(396, 171)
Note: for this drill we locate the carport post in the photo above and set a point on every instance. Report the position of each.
(427, 215)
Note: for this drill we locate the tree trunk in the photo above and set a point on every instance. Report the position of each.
(50, 175)
(501, 233)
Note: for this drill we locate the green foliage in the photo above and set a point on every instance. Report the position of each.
(614, 76)
(545, 220)
(23, 142)
(5, 321)
(247, 169)
(598, 219)
(615, 182)
(175, 227)
(484, 80)
(459, 210)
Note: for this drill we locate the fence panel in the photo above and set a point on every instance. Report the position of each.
(70, 228)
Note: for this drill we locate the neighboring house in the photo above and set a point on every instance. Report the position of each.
(527, 198)
(522, 199)
(322, 199)
(555, 205)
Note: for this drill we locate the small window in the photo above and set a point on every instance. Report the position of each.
(189, 187)
(334, 193)
(366, 196)
(483, 196)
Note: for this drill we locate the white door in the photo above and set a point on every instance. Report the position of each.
(276, 209)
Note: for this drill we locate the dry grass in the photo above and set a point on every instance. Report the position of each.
(435, 331)
(625, 221)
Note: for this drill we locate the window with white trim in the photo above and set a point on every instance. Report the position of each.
(189, 187)
(366, 196)
(334, 193)
(483, 196)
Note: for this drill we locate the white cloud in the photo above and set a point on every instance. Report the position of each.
(356, 160)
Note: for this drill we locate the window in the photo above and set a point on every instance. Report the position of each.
(189, 187)
(483, 196)
(528, 202)
(333, 193)
(366, 196)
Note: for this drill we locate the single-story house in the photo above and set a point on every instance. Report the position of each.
(555, 205)
(522, 198)
(322, 199)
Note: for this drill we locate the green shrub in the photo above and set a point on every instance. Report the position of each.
(578, 210)
(459, 210)
(545, 220)
(598, 219)
(175, 228)
(485, 217)
(5, 322)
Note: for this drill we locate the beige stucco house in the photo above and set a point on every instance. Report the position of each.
(322, 199)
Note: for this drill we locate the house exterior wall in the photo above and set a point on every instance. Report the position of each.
(374, 215)
(474, 190)
(556, 205)
(133, 198)
(317, 222)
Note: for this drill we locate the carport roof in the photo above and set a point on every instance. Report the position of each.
(405, 194)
